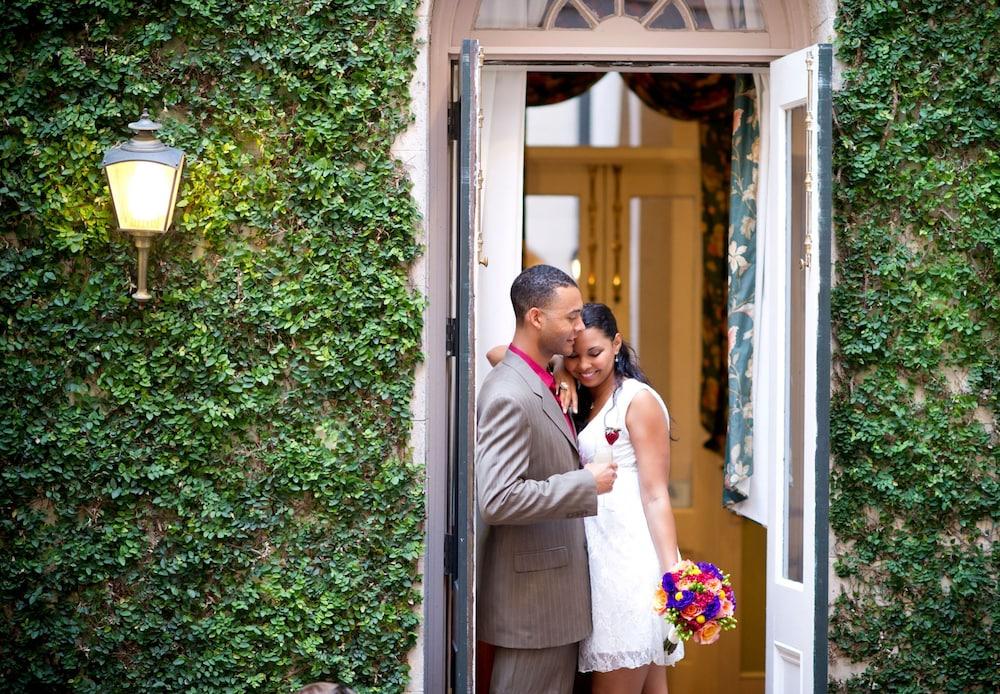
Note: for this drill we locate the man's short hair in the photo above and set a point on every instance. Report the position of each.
(535, 287)
(325, 688)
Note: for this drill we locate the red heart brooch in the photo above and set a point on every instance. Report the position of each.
(611, 435)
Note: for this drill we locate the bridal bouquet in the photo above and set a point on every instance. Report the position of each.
(697, 600)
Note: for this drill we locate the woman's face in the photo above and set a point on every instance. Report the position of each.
(593, 359)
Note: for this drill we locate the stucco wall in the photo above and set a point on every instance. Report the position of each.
(413, 149)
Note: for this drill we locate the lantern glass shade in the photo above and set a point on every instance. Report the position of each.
(144, 176)
(144, 193)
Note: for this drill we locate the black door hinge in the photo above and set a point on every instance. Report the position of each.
(451, 337)
(454, 111)
(450, 555)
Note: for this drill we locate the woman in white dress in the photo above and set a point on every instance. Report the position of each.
(632, 540)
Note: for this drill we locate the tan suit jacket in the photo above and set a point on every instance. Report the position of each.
(534, 588)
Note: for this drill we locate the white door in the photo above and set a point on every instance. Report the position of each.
(792, 407)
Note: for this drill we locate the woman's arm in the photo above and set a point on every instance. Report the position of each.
(649, 431)
(566, 383)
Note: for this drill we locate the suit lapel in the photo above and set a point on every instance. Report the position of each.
(550, 406)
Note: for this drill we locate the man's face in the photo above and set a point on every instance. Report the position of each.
(560, 322)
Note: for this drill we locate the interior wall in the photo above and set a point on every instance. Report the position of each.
(428, 407)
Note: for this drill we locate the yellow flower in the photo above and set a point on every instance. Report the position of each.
(700, 619)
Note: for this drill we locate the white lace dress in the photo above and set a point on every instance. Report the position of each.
(624, 570)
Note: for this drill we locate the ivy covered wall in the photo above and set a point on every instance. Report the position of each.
(915, 492)
(211, 492)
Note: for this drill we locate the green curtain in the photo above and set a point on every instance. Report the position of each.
(742, 267)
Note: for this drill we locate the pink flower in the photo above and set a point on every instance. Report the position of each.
(681, 567)
(709, 633)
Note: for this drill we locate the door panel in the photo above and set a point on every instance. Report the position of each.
(790, 426)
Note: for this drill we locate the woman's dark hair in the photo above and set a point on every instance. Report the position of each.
(626, 363)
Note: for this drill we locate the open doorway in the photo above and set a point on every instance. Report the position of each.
(613, 195)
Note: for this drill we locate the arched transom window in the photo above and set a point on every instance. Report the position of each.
(661, 15)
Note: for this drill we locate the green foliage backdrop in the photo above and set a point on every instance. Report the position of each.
(212, 492)
(915, 493)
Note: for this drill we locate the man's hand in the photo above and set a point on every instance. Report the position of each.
(605, 474)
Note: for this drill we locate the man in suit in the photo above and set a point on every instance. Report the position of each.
(534, 593)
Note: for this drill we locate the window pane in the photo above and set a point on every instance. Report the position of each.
(727, 15)
(552, 232)
(638, 8)
(511, 14)
(669, 18)
(601, 8)
(708, 15)
(795, 172)
(570, 18)
(554, 125)
(702, 20)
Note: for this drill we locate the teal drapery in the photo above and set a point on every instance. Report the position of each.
(742, 253)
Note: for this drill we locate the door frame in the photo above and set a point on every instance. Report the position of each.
(444, 18)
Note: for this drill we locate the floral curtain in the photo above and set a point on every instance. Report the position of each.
(742, 270)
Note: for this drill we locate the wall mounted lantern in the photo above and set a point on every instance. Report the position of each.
(144, 176)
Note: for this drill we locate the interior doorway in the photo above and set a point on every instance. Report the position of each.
(612, 195)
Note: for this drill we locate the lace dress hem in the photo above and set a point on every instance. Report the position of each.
(606, 662)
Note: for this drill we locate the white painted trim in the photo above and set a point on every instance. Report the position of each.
(788, 23)
(790, 613)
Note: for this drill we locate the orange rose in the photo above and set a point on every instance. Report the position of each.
(707, 634)
(660, 600)
(691, 611)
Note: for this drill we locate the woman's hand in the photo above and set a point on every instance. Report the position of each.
(564, 382)
(566, 385)
(496, 354)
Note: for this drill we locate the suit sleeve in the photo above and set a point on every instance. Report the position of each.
(506, 496)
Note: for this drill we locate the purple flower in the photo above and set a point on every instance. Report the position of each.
(712, 608)
(709, 568)
(669, 586)
(685, 599)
